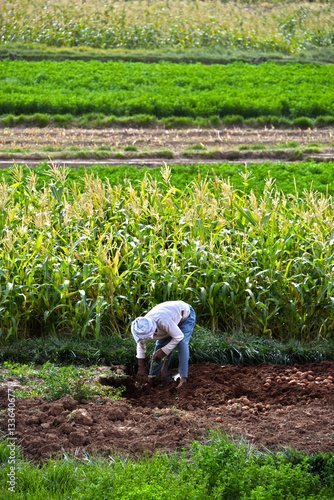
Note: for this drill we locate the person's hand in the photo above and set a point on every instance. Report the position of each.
(142, 375)
(159, 354)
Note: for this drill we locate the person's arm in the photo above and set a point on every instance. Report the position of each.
(142, 375)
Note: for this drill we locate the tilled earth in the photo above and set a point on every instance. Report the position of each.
(272, 406)
(77, 146)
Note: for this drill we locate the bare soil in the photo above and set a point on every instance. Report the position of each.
(272, 406)
(88, 146)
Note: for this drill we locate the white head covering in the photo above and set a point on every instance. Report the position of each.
(143, 328)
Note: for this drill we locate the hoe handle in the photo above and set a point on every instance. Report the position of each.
(165, 363)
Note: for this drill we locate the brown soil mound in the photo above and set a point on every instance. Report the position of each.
(270, 405)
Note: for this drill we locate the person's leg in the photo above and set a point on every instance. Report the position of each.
(187, 328)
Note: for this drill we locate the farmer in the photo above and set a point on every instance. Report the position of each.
(170, 324)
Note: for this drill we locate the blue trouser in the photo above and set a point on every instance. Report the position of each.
(186, 327)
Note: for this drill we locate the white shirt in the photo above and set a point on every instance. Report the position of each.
(168, 316)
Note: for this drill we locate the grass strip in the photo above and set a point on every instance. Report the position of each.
(205, 346)
(14, 51)
(101, 121)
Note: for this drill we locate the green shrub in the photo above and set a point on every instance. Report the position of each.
(324, 121)
(303, 122)
(63, 120)
(177, 122)
(233, 120)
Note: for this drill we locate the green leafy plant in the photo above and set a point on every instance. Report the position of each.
(219, 468)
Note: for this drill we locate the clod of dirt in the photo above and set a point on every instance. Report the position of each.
(118, 411)
(238, 391)
(66, 428)
(82, 417)
(78, 438)
(68, 402)
(56, 409)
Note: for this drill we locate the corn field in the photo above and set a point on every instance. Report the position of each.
(86, 261)
(282, 26)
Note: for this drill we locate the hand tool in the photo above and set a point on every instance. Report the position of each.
(162, 370)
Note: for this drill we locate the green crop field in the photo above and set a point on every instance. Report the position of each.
(87, 260)
(281, 26)
(166, 89)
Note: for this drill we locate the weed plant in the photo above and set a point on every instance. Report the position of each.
(86, 262)
(285, 27)
(221, 468)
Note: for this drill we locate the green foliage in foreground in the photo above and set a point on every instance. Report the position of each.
(219, 469)
(87, 261)
(167, 89)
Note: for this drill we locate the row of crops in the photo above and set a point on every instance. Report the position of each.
(286, 27)
(166, 89)
(87, 260)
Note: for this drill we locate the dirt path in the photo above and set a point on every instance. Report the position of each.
(153, 146)
(271, 405)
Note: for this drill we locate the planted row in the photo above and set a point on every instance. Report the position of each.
(167, 89)
(99, 120)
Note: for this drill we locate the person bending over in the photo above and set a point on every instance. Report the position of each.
(171, 325)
